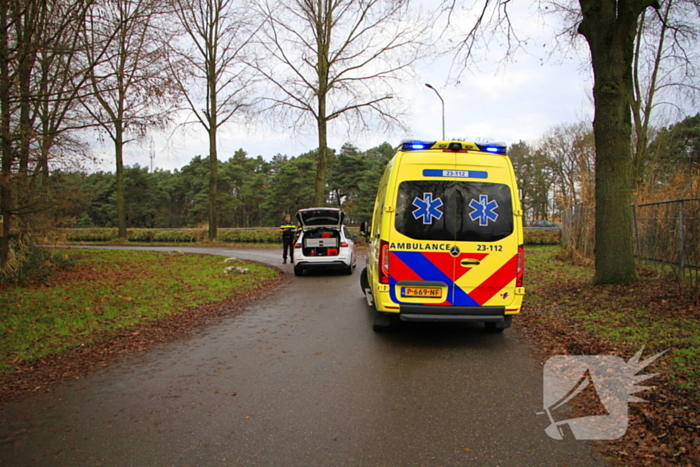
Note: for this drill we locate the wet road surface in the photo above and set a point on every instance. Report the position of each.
(300, 379)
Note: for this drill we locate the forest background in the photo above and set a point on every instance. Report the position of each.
(554, 175)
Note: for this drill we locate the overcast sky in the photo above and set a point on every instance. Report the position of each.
(510, 102)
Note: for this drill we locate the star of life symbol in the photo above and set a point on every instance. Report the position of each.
(483, 210)
(600, 385)
(427, 208)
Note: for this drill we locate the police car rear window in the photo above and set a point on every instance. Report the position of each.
(454, 210)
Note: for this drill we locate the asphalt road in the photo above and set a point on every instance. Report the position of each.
(300, 379)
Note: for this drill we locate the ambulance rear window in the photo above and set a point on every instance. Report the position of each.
(454, 210)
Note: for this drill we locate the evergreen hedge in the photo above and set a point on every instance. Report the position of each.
(542, 237)
(532, 237)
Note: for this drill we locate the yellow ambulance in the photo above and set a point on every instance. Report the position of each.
(446, 238)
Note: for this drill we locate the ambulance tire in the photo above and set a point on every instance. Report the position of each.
(364, 281)
(381, 322)
(500, 327)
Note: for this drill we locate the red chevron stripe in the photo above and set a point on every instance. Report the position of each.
(399, 271)
(496, 282)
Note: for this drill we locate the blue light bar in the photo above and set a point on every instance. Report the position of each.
(410, 145)
(493, 148)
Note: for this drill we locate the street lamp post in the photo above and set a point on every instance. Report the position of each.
(443, 109)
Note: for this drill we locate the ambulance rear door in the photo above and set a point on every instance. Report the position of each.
(456, 228)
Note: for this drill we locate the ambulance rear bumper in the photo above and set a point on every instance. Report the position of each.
(428, 313)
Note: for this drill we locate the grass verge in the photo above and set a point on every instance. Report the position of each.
(108, 293)
(565, 314)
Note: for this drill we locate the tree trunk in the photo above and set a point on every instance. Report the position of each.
(610, 28)
(6, 150)
(323, 23)
(118, 151)
(213, 154)
(322, 165)
(213, 180)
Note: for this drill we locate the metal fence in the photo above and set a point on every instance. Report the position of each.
(669, 232)
(666, 232)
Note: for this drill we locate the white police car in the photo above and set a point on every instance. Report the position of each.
(324, 242)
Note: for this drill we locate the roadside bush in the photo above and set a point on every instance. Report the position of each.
(27, 264)
(179, 236)
(91, 235)
(542, 237)
(250, 236)
(140, 235)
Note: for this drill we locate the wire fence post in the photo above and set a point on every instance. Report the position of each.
(636, 230)
(682, 239)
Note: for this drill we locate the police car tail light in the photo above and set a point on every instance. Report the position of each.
(383, 262)
(344, 245)
(520, 267)
(297, 245)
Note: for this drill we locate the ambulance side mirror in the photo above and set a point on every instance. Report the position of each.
(364, 228)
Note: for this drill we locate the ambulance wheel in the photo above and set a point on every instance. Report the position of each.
(298, 271)
(364, 281)
(500, 327)
(381, 322)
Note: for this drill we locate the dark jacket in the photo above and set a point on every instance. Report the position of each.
(288, 230)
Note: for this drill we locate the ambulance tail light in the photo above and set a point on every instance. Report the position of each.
(383, 262)
(520, 267)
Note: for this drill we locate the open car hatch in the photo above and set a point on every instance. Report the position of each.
(320, 217)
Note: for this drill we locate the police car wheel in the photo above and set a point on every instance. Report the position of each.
(348, 270)
(298, 272)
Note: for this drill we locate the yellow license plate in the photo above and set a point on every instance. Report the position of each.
(429, 292)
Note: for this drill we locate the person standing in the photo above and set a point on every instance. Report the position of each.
(288, 230)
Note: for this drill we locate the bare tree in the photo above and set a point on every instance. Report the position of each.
(609, 28)
(210, 72)
(328, 59)
(130, 88)
(570, 153)
(37, 55)
(61, 77)
(665, 63)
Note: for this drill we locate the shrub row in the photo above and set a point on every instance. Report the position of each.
(173, 236)
(532, 237)
(90, 235)
(542, 237)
